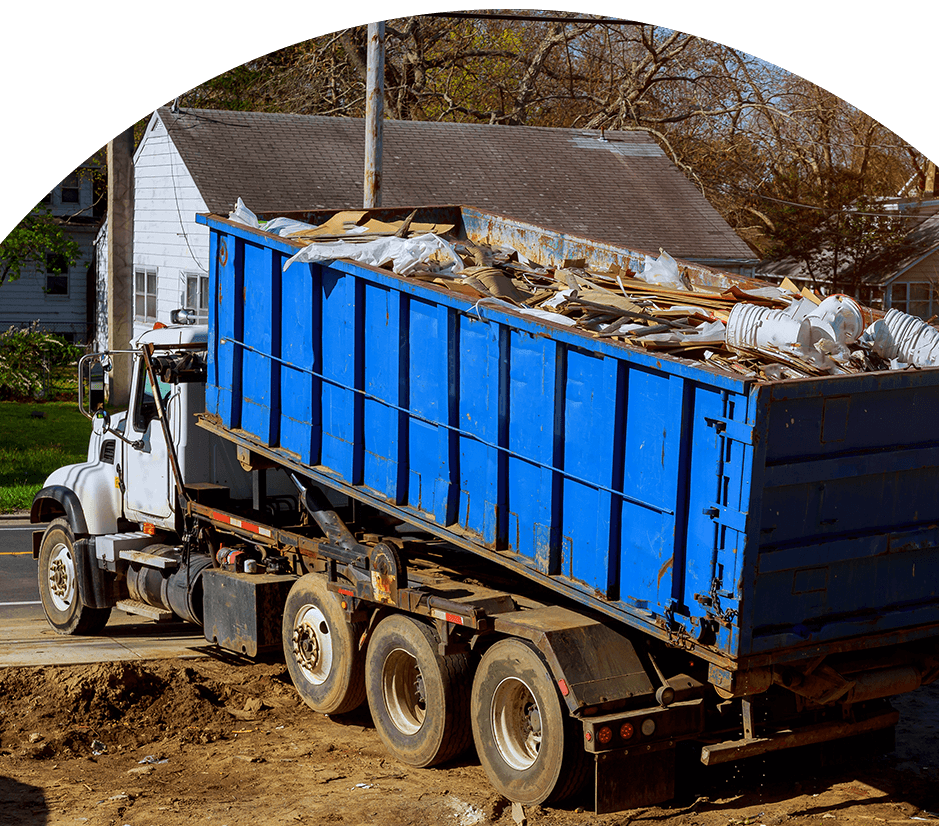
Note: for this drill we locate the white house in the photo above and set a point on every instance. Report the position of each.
(61, 300)
(618, 187)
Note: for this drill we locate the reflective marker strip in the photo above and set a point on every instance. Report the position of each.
(20, 603)
(238, 523)
(456, 619)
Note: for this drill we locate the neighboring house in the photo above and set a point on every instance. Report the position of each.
(905, 277)
(60, 298)
(617, 187)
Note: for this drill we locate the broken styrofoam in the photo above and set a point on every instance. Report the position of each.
(842, 314)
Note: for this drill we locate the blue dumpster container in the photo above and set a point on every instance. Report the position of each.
(748, 521)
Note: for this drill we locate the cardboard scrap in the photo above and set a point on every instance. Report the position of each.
(615, 305)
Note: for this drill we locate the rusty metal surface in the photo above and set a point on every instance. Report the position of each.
(740, 749)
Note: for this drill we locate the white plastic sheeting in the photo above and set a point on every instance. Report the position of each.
(404, 254)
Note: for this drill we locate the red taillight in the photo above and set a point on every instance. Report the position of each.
(149, 528)
(626, 731)
(604, 735)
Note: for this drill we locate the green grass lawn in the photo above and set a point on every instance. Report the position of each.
(32, 447)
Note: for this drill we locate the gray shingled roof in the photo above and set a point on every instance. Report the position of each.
(917, 245)
(623, 190)
(878, 271)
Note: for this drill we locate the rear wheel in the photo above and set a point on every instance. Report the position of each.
(59, 569)
(419, 700)
(321, 648)
(528, 746)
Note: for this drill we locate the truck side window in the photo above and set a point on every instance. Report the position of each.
(145, 409)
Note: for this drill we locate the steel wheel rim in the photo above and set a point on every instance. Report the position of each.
(402, 688)
(61, 577)
(313, 644)
(516, 723)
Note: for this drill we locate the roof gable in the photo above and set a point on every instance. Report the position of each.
(618, 187)
(919, 243)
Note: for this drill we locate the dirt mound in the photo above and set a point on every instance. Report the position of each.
(62, 711)
(212, 741)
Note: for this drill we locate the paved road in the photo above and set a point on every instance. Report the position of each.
(27, 639)
(19, 592)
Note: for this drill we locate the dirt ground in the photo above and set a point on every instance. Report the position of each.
(226, 742)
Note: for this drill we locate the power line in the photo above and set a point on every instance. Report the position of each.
(832, 210)
(533, 18)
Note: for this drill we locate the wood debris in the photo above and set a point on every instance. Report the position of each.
(616, 305)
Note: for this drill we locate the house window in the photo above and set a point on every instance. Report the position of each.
(56, 275)
(914, 297)
(145, 290)
(197, 294)
(71, 189)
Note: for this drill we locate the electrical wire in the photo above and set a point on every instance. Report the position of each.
(533, 18)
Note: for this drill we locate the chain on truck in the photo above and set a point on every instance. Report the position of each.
(180, 513)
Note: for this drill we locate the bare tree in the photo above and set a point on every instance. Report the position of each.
(791, 167)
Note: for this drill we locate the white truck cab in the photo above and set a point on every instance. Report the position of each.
(124, 497)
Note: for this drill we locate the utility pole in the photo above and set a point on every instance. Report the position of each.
(374, 113)
(120, 263)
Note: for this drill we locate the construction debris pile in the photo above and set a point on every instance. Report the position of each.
(759, 331)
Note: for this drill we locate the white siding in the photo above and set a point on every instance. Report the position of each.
(166, 236)
(915, 291)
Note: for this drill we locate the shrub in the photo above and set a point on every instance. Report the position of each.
(27, 355)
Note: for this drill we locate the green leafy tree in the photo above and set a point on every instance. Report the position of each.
(37, 239)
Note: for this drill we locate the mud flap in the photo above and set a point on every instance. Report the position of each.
(93, 590)
(628, 781)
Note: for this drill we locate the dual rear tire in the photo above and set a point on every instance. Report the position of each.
(529, 747)
(429, 708)
(419, 699)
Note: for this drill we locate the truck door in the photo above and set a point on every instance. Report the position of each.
(147, 481)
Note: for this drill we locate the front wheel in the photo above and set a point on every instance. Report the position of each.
(527, 744)
(59, 569)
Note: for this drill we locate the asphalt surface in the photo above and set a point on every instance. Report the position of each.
(19, 589)
(27, 639)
